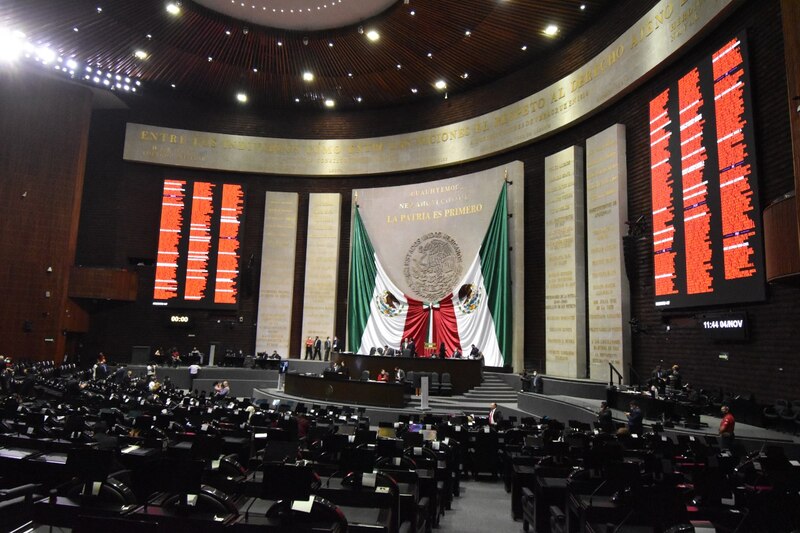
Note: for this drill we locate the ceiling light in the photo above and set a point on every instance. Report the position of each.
(467, 33)
(399, 66)
(75, 29)
(465, 76)
(583, 7)
(297, 100)
(412, 12)
(330, 44)
(373, 35)
(523, 47)
(551, 30)
(210, 59)
(227, 32)
(148, 36)
(414, 90)
(308, 76)
(99, 9)
(430, 54)
(241, 97)
(358, 99)
(45, 54)
(329, 103)
(173, 8)
(71, 63)
(140, 54)
(172, 85)
(349, 74)
(255, 69)
(11, 46)
(440, 84)
(280, 43)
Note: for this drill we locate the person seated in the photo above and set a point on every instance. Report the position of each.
(223, 391)
(383, 376)
(275, 355)
(457, 353)
(175, 357)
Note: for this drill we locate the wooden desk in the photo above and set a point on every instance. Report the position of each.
(465, 374)
(346, 391)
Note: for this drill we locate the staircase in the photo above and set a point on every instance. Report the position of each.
(476, 400)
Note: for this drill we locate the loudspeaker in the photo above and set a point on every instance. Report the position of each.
(630, 256)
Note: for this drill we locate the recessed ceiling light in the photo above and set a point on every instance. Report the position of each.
(583, 6)
(255, 69)
(430, 55)
(297, 100)
(349, 74)
(373, 35)
(412, 12)
(358, 99)
(399, 66)
(523, 47)
(280, 43)
(551, 30)
(241, 97)
(330, 44)
(99, 9)
(329, 103)
(71, 63)
(172, 85)
(465, 76)
(227, 32)
(75, 29)
(467, 33)
(308, 76)
(140, 54)
(210, 59)
(148, 36)
(173, 8)
(413, 90)
(440, 84)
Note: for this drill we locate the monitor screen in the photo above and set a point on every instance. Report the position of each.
(199, 250)
(706, 220)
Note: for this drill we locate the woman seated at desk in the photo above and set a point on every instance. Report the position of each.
(383, 376)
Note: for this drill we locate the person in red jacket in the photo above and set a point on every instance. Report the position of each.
(726, 425)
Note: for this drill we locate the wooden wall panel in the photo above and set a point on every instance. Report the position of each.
(44, 128)
(103, 284)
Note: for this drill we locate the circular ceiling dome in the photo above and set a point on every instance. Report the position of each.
(300, 15)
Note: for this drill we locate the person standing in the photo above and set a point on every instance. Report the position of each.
(635, 419)
(335, 344)
(605, 419)
(399, 375)
(309, 347)
(537, 382)
(495, 415)
(328, 346)
(726, 426)
(317, 349)
(194, 368)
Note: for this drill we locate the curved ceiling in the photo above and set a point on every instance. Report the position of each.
(300, 15)
(201, 53)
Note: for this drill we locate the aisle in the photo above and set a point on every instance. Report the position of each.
(484, 507)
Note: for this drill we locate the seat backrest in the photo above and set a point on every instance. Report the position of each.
(434, 377)
(445, 377)
(365, 375)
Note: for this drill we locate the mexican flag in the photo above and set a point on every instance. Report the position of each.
(477, 312)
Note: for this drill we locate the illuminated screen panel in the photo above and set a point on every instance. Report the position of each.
(707, 236)
(199, 250)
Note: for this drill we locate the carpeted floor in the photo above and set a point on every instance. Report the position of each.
(484, 507)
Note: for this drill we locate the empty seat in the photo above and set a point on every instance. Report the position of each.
(365, 375)
(445, 387)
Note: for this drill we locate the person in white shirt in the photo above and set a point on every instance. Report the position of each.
(194, 368)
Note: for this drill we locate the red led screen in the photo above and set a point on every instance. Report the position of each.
(707, 242)
(199, 251)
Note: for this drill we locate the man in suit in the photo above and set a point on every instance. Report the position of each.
(411, 347)
(317, 349)
(389, 352)
(328, 346)
(495, 416)
(537, 383)
(335, 344)
(635, 419)
(605, 419)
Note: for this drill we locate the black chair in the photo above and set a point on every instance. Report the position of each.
(433, 383)
(365, 375)
(446, 387)
(772, 413)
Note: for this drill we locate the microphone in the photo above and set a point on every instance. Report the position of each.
(595, 492)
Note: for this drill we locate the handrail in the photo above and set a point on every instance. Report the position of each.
(611, 371)
(633, 372)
